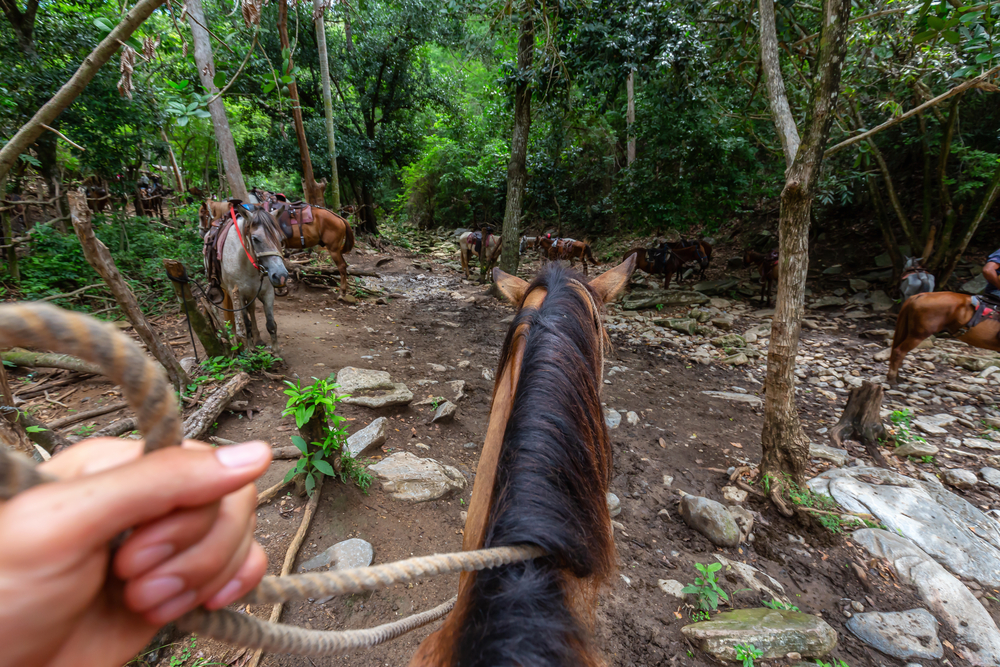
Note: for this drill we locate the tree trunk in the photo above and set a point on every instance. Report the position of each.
(8, 234)
(48, 439)
(99, 257)
(204, 327)
(785, 446)
(630, 90)
(197, 425)
(293, 92)
(178, 179)
(220, 121)
(989, 197)
(888, 236)
(925, 149)
(324, 73)
(517, 172)
(12, 432)
(948, 215)
(861, 421)
(45, 148)
(369, 223)
(784, 123)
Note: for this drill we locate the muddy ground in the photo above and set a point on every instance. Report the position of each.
(681, 434)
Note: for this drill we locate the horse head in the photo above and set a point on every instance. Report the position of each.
(262, 235)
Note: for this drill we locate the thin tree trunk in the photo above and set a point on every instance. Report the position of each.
(784, 123)
(925, 149)
(300, 131)
(8, 234)
(324, 73)
(173, 162)
(888, 236)
(785, 446)
(11, 430)
(988, 200)
(517, 172)
(220, 121)
(630, 87)
(203, 327)
(98, 256)
(948, 215)
(33, 129)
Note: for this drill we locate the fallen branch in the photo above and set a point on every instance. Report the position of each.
(116, 429)
(48, 439)
(21, 357)
(199, 422)
(268, 494)
(64, 137)
(73, 293)
(293, 551)
(87, 414)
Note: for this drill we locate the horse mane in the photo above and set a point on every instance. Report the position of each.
(260, 217)
(552, 476)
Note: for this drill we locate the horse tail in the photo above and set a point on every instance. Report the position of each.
(902, 330)
(348, 237)
(590, 255)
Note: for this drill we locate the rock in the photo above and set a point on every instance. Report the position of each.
(755, 401)
(614, 505)
(733, 494)
(751, 576)
(880, 301)
(353, 380)
(344, 555)
(980, 443)
(438, 368)
(834, 270)
(711, 519)
(949, 600)
(883, 260)
(612, 418)
(828, 301)
(403, 353)
(729, 340)
(407, 477)
(469, 445)
(651, 298)
(991, 476)
(188, 363)
(960, 479)
(946, 526)
(858, 285)
(883, 354)
(985, 374)
(837, 457)
(724, 322)
(671, 587)
(399, 395)
(684, 325)
(931, 424)
(711, 287)
(458, 387)
(776, 632)
(632, 418)
(369, 438)
(901, 634)
(916, 448)
(743, 519)
(716, 302)
(972, 363)
(974, 286)
(738, 359)
(444, 413)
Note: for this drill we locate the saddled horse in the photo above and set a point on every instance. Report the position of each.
(304, 226)
(699, 252)
(767, 266)
(915, 279)
(969, 318)
(554, 249)
(211, 210)
(252, 266)
(488, 250)
(542, 480)
(655, 261)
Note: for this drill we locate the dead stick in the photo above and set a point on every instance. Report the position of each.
(73, 293)
(293, 551)
(63, 136)
(269, 493)
(81, 416)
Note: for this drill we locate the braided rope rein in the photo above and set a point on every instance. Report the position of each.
(146, 390)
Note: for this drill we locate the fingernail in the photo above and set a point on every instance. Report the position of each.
(156, 591)
(144, 559)
(225, 595)
(174, 608)
(242, 456)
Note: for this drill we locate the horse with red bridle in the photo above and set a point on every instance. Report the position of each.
(542, 480)
(554, 249)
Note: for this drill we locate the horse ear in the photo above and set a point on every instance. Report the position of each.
(512, 287)
(609, 284)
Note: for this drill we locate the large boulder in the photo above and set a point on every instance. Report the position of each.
(408, 477)
(711, 519)
(712, 287)
(371, 389)
(369, 438)
(398, 395)
(906, 635)
(775, 632)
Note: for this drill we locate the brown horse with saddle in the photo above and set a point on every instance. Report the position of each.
(553, 249)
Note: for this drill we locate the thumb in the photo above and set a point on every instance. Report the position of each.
(90, 511)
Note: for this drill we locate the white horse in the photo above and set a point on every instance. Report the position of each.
(490, 255)
(916, 279)
(252, 266)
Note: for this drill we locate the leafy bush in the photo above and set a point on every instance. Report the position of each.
(706, 588)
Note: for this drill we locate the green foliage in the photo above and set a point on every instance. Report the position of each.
(706, 588)
(902, 433)
(254, 361)
(833, 663)
(778, 604)
(302, 405)
(747, 653)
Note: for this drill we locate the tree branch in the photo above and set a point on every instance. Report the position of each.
(784, 123)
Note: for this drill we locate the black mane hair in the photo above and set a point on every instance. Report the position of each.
(551, 480)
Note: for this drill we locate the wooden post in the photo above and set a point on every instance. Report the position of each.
(99, 257)
(204, 327)
(861, 420)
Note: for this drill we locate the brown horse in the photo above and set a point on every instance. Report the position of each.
(542, 480)
(928, 313)
(211, 210)
(328, 230)
(767, 267)
(699, 252)
(655, 261)
(555, 249)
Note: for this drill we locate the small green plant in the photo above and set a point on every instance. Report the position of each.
(83, 431)
(659, 307)
(927, 459)
(806, 498)
(706, 588)
(778, 604)
(698, 615)
(902, 433)
(747, 653)
(34, 429)
(834, 663)
(254, 361)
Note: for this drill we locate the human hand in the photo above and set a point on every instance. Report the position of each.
(192, 509)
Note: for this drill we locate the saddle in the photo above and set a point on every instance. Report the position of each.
(476, 241)
(292, 214)
(987, 308)
(214, 242)
(910, 272)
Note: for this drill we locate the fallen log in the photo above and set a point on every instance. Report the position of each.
(21, 357)
(197, 425)
(120, 427)
(48, 439)
(87, 414)
(40, 389)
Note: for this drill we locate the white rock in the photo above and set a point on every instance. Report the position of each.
(960, 479)
(614, 505)
(733, 396)
(344, 555)
(980, 443)
(353, 380)
(733, 494)
(834, 455)
(407, 477)
(671, 587)
(369, 438)
(458, 387)
(931, 424)
(632, 418)
(612, 418)
(399, 395)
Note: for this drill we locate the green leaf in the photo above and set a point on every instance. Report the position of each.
(219, 80)
(289, 475)
(300, 443)
(287, 79)
(935, 22)
(34, 429)
(983, 57)
(924, 36)
(201, 113)
(324, 467)
(103, 24)
(268, 87)
(300, 465)
(310, 483)
(182, 121)
(951, 36)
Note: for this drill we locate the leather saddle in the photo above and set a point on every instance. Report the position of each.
(291, 215)
(987, 308)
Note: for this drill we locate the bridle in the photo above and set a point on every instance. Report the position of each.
(256, 255)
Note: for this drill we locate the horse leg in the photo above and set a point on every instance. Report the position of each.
(338, 259)
(253, 329)
(465, 262)
(272, 327)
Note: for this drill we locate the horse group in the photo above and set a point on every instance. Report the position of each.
(487, 247)
(670, 258)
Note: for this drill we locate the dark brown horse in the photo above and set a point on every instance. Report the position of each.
(928, 313)
(767, 267)
(554, 249)
(699, 252)
(542, 480)
(655, 261)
